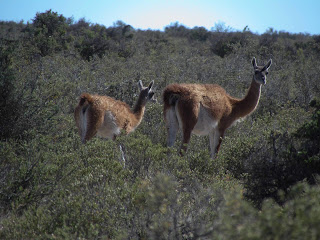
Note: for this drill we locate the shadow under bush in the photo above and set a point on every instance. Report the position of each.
(275, 159)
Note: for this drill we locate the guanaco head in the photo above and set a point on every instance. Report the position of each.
(146, 93)
(260, 72)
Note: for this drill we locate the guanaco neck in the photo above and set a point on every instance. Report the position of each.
(248, 104)
(138, 110)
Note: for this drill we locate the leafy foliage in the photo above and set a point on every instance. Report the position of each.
(263, 184)
(48, 32)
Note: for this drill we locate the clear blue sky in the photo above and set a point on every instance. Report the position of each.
(293, 16)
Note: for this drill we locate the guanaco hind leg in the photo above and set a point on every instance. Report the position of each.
(187, 124)
(172, 126)
(93, 121)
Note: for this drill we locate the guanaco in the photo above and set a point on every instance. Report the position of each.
(207, 109)
(105, 116)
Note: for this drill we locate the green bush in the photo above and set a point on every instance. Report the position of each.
(296, 219)
(49, 32)
(268, 159)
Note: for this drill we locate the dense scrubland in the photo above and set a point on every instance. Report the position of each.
(264, 183)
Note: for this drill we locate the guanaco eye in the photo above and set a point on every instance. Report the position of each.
(267, 73)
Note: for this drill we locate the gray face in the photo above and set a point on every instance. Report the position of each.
(146, 92)
(260, 76)
(261, 72)
(151, 96)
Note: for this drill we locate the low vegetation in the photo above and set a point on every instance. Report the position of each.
(264, 183)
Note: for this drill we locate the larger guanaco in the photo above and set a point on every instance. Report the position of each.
(207, 109)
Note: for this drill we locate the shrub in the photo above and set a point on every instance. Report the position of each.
(49, 32)
(54, 187)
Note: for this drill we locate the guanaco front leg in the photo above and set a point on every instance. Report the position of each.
(215, 138)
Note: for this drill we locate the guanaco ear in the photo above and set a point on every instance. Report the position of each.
(140, 85)
(150, 84)
(266, 67)
(254, 62)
